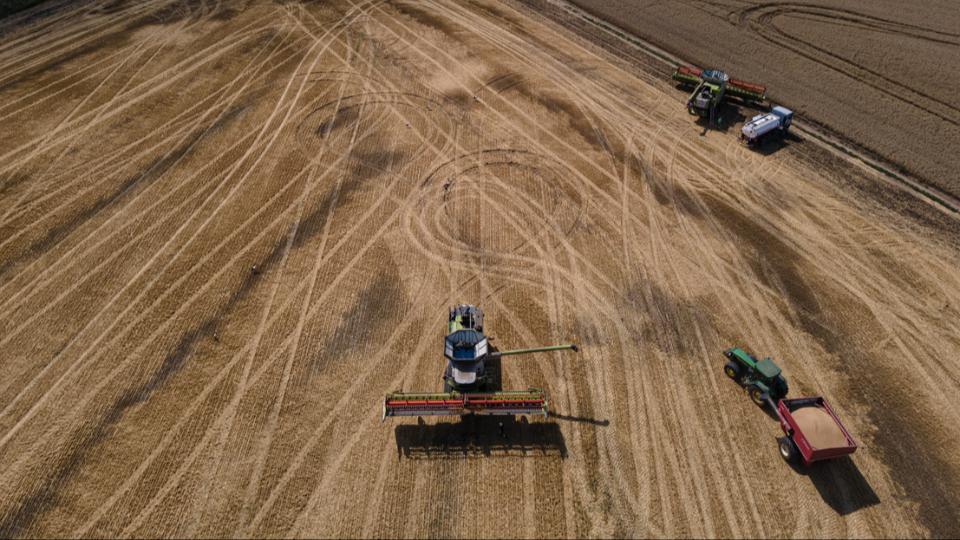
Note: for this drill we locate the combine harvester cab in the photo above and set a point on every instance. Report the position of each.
(467, 387)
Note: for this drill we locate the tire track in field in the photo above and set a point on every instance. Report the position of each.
(253, 482)
(342, 454)
(72, 255)
(519, 131)
(35, 504)
(242, 387)
(210, 386)
(124, 192)
(80, 47)
(9, 434)
(158, 82)
(77, 134)
(98, 115)
(26, 324)
(233, 190)
(761, 19)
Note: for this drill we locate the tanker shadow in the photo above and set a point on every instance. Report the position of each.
(480, 436)
(840, 484)
(774, 146)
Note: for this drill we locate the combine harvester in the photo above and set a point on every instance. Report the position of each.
(711, 87)
(468, 388)
(812, 431)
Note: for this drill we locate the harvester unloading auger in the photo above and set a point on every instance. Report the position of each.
(468, 387)
(711, 87)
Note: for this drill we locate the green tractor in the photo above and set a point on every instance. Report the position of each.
(762, 378)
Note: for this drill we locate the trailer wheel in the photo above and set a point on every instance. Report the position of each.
(756, 394)
(788, 449)
(732, 370)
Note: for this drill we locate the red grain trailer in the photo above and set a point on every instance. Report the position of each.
(813, 431)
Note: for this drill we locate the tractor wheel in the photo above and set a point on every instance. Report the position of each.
(788, 449)
(756, 394)
(780, 385)
(732, 370)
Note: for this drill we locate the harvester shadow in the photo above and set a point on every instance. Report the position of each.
(581, 419)
(494, 372)
(840, 484)
(480, 436)
(728, 115)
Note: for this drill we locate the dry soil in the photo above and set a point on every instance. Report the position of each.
(227, 229)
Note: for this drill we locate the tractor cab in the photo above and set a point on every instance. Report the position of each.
(762, 379)
(768, 369)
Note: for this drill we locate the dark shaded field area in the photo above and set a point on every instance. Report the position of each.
(9, 7)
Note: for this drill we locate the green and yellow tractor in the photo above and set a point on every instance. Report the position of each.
(763, 379)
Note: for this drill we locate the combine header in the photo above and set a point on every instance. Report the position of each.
(531, 401)
(468, 388)
(711, 87)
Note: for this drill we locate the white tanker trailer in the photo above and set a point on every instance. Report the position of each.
(767, 126)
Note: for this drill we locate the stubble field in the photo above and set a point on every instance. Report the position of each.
(228, 228)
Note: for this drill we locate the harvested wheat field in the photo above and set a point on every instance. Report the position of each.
(883, 73)
(227, 229)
